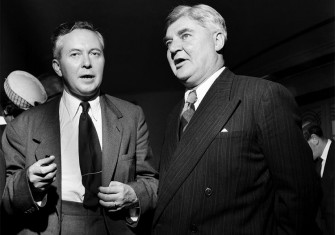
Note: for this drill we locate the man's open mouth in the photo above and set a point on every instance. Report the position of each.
(87, 76)
(178, 62)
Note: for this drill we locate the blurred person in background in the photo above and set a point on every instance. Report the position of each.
(324, 156)
(52, 84)
(21, 91)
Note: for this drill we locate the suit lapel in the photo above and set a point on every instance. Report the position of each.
(171, 136)
(47, 136)
(111, 138)
(214, 111)
(46, 140)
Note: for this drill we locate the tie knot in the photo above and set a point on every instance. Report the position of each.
(192, 97)
(85, 105)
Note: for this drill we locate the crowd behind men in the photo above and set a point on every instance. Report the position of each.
(234, 159)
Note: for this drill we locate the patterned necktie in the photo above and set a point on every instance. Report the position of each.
(188, 111)
(89, 157)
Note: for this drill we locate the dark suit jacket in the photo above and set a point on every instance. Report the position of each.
(217, 182)
(327, 205)
(36, 133)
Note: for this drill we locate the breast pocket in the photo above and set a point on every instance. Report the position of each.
(232, 134)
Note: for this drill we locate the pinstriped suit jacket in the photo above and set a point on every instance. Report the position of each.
(257, 178)
(125, 158)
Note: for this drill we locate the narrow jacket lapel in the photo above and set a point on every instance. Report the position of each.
(210, 117)
(47, 136)
(46, 140)
(171, 136)
(111, 138)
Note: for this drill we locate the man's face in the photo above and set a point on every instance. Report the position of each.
(191, 51)
(81, 63)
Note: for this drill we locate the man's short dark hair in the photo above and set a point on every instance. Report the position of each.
(312, 128)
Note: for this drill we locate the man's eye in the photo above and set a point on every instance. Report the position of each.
(96, 53)
(74, 54)
(185, 36)
(168, 43)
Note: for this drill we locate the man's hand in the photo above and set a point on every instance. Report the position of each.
(41, 174)
(117, 196)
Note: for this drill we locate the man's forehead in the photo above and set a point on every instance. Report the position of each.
(181, 25)
(79, 37)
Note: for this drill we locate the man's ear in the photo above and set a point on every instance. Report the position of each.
(56, 67)
(218, 40)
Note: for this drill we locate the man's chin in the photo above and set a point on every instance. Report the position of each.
(86, 95)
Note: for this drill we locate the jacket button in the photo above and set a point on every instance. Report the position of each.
(208, 192)
(194, 228)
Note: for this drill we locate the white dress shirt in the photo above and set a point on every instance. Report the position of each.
(69, 114)
(202, 88)
(324, 156)
(2, 120)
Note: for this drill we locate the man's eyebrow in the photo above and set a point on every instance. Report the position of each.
(184, 30)
(180, 32)
(73, 49)
(165, 38)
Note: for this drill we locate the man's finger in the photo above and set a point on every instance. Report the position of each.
(44, 170)
(47, 161)
(107, 197)
(109, 190)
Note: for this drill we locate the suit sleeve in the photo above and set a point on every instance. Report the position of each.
(289, 159)
(17, 197)
(146, 179)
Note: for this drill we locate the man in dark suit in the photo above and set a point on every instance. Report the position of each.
(50, 187)
(241, 165)
(324, 156)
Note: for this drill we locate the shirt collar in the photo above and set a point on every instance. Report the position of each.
(72, 105)
(325, 151)
(202, 88)
(2, 120)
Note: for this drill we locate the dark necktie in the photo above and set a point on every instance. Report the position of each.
(188, 111)
(318, 165)
(89, 157)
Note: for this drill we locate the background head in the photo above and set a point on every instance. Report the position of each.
(52, 84)
(314, 136)
(22, 91)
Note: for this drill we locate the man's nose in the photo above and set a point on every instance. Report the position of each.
(174, 47)
(87, 61)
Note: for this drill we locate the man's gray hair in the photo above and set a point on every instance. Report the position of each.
(207, 17)
(68, 27)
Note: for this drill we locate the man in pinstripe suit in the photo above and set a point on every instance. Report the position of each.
(241, 166)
